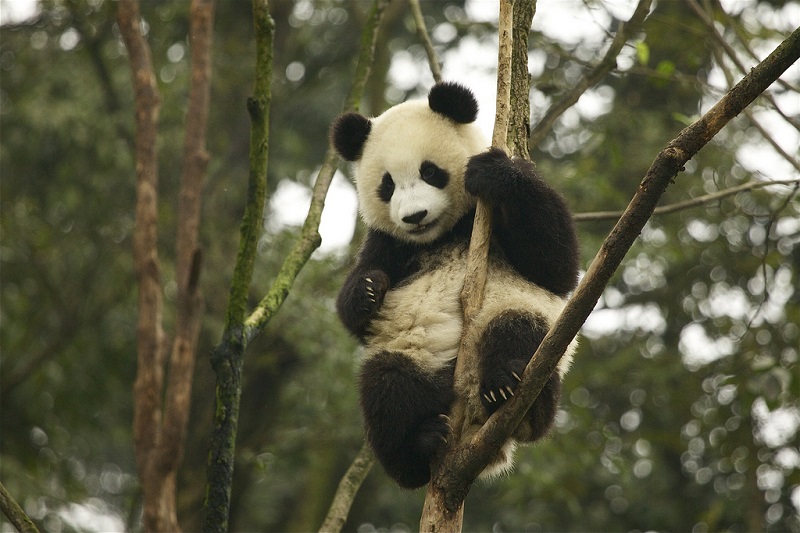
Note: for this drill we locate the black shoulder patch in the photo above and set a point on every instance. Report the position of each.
(349, 133)
(454, 101)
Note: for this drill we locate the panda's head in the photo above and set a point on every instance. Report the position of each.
(410, 162)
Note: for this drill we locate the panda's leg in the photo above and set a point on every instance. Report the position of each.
(505, 348)
(405, 410)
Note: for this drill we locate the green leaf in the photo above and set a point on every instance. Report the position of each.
(642, 53)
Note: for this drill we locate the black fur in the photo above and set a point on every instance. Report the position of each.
(454, 101)
(349, 133)
(433, 175)
(405, 413)
(532, 231)
(504, 350)
(531, 222)
(386, 188)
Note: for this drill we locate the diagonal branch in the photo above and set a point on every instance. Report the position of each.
(609, 62)
(425, 39)
(663, 170)
(346, 491)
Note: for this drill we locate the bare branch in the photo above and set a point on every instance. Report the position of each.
(227, 356)
(665, 167)
(438, 513)
(609, 62)
(731, 53)
(520, 117)
(147, 388)
(15, 514)
(422, 33)
(686, 204)
(347, 489)
(188, 257)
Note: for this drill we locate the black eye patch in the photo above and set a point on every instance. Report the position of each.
(434, 175)
(386, 188)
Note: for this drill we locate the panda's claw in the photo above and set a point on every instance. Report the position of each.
(503, 394)
(369, 280)
(486, 396)
(516, 376)
(510, 392)
(494, 398)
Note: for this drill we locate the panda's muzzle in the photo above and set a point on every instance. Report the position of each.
(423, 228)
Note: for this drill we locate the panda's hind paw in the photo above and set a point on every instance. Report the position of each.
(498, 384)
(432, 434)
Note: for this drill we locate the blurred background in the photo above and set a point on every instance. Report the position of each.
(682, 408)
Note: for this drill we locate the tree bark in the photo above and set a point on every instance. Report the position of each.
(240, 329)
(471, 459)
(15, 514)
(160, 416)
(443, 511)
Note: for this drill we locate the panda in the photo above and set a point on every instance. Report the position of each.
(418, 169)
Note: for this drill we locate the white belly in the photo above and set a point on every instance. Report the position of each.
(422, 318)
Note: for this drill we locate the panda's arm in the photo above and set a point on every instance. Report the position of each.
(531, 221)
(365, 287)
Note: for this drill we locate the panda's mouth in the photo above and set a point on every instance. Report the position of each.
(423, 228)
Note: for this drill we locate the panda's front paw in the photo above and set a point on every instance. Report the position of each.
(486, 173)
(499, 383)
(372, 291)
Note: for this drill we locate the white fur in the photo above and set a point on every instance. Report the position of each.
(400, 140)
(422, 317)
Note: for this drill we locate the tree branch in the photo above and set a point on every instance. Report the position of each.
(15, 514)
(665, 167)
(147, 415)
(608, 63)
(422, 33)
(227, 356)
(442, 511)
(188, 256)
(520, 116)
(597, 216)
(347, 489)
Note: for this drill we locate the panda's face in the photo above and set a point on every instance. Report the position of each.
(410, 174)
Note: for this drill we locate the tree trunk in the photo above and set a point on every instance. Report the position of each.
(161, 415)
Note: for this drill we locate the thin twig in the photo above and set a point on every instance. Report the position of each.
(605, 65)
(424, 37)
(597, 216)
(731, 53)
(347, 489)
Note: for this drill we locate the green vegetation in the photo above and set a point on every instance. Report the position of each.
(682, 408)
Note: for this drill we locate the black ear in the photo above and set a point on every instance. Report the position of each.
(349, 133)
(454, 101)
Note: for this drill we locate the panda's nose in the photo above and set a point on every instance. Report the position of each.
(416, 218)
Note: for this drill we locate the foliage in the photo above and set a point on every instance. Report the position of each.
(680, 411)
